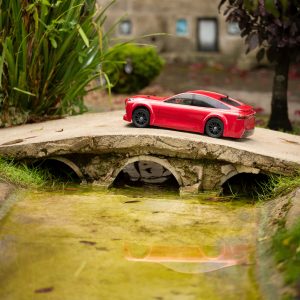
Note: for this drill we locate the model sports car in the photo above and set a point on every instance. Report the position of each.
(200, 111)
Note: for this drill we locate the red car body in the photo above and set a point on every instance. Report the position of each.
(196, 111)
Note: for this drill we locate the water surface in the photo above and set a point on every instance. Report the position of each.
(92, 243)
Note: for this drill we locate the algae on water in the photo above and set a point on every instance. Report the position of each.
(120, 244)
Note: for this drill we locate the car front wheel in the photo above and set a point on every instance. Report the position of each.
(141, 118)
(214, 128)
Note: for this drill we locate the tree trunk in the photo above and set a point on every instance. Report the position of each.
(279, 119)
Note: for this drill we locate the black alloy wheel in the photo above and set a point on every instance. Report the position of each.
(214, 128)
(141, 118)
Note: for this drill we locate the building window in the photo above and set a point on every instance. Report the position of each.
(125, 27)
(208, 34)
(233, 28)
(181, 27)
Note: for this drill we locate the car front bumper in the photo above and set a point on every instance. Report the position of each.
(125, 118)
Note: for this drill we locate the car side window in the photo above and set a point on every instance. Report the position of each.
(184, 99)
(204, 101)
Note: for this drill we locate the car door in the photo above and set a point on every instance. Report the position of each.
(202, 108)
(176, 112)
(206, 106)
(186, 111)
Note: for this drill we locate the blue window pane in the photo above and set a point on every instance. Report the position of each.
(181, 27)
(125, 27)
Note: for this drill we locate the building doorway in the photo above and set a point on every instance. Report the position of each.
(207, 34)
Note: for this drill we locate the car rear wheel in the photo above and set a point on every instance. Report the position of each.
(214, 128)
(141, 118)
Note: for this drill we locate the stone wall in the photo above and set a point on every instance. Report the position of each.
(154, 16)
(192, 175)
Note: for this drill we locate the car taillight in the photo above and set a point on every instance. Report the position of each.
(244, 117)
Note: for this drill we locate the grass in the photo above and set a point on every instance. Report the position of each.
(21, 175)
(278, 186)
(263, 189)
(284, 185)
(286, 248)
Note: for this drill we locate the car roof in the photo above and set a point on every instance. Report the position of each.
(214, 95)
(217, 96)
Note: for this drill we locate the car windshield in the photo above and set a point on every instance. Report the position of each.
(230, 101)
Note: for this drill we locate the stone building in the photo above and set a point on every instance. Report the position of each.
(196, 30)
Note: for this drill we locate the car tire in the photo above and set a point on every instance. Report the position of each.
(141, 118)
(214, 128)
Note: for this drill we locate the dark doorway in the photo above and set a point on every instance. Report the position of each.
(207, 34)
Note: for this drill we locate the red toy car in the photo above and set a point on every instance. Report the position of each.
(200, 111)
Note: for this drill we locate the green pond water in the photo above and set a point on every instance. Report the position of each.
(92, 243)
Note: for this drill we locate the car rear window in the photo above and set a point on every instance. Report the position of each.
(205, 101)
(230, 101)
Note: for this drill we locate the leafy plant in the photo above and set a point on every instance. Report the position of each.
(273, 26)
(135, 67)
(286, 247)
(50, 51)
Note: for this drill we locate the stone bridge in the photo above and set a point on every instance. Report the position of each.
(99, 146)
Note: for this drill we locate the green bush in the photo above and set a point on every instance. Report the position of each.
(49, 52)
(136, 68)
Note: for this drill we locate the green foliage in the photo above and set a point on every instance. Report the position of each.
(286, 247)
(278, 186)
(268, 24)
(50, 50)
(135, 69)
(21, 175)
(273, 27)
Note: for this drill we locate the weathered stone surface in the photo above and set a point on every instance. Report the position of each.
(293, 215)
(147, 145)
(110, 143)
(5, 190)
(227, 169)
(190, 189)
(271, 221)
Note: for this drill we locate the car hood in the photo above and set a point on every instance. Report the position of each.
(148, 97)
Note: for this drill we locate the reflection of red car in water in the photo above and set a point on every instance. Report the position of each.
(207, 112)
(188, 259)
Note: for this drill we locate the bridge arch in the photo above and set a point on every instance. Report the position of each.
(244, 183)
(148, 158)
(65, 166)
(230, 171)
